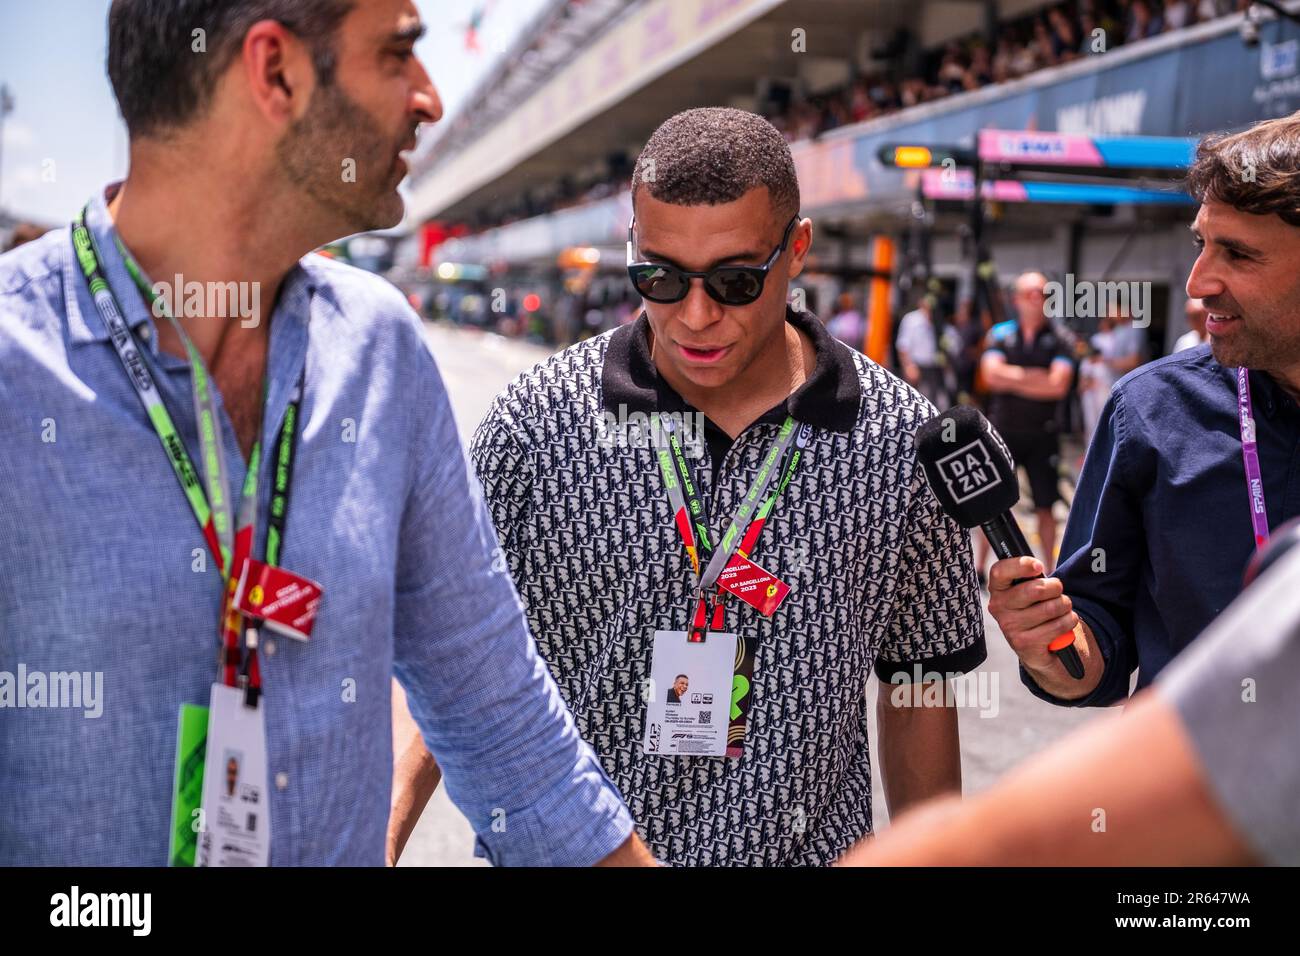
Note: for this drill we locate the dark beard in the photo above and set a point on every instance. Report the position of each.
(1275, 354)
(312, 153)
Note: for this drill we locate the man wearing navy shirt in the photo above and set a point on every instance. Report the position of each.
(1196, 456)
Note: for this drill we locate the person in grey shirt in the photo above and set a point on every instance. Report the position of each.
(1234, 691)
(1202, 769)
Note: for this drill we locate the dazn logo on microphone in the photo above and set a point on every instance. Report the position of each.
(968, 471)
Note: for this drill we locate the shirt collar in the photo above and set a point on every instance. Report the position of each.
(1031, 341)
(287, 347)
(84, 321)
(829, 398)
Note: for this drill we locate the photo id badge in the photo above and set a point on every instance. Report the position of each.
(690, 694)
(236, 816)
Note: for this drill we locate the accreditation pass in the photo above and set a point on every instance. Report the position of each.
(689, 694)
(237, 818)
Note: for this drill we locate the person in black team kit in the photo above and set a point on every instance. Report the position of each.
(1027, 369)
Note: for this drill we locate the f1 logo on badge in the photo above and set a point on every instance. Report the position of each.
(968, 471)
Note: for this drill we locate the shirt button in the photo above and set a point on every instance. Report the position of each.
(268, 645)
(282, 781)
(145, 333)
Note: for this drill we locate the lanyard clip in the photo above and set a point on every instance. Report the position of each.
(250, 677)
(699, 625)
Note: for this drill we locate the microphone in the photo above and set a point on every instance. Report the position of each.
(973, 476)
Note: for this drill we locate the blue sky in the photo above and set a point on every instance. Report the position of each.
(64, 139)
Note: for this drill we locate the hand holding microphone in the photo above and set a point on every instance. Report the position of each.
(1035, 614)
(972, 475)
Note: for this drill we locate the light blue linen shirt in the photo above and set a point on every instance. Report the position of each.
(103, 569)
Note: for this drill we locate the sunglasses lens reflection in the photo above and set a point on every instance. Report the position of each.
(730, 286)
(659, 283)
(736, 286)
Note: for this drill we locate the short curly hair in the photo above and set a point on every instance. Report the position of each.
(1256, 170)
(714, 155)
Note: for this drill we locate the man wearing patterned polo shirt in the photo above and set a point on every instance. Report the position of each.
(723, 490)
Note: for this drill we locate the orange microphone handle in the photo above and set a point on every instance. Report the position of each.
(1063, 648)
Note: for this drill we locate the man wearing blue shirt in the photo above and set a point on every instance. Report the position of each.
(1196, 456)
(284, 132)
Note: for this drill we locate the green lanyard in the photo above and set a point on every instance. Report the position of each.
(211, 510)
(789, 449)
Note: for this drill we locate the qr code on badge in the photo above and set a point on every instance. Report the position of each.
(706, 716)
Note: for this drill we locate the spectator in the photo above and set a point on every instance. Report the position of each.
(1105, 18)
(1142, 22)
(1006, 46)
(428, 603)
(885, 95)
(1095, 380)
(1178, 14)
(1194, 778)
(919, 358)
(980, 72)
(1116, 351)
(952, 73)
(1045, 44)
(1053, 36)
(1093, 37)
(848, 324)
(1212, 9)
(1195, 335)
(1028, 369)
(1064, 34)
(860, 105)
(1024, 59)
(964, 341)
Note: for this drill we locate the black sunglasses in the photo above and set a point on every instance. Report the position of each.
(730, 285)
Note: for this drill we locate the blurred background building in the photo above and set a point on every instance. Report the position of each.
(521, 198)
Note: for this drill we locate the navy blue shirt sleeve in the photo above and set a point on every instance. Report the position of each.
(1103, 552)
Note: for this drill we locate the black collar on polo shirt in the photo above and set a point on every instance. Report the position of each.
(829, 398)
